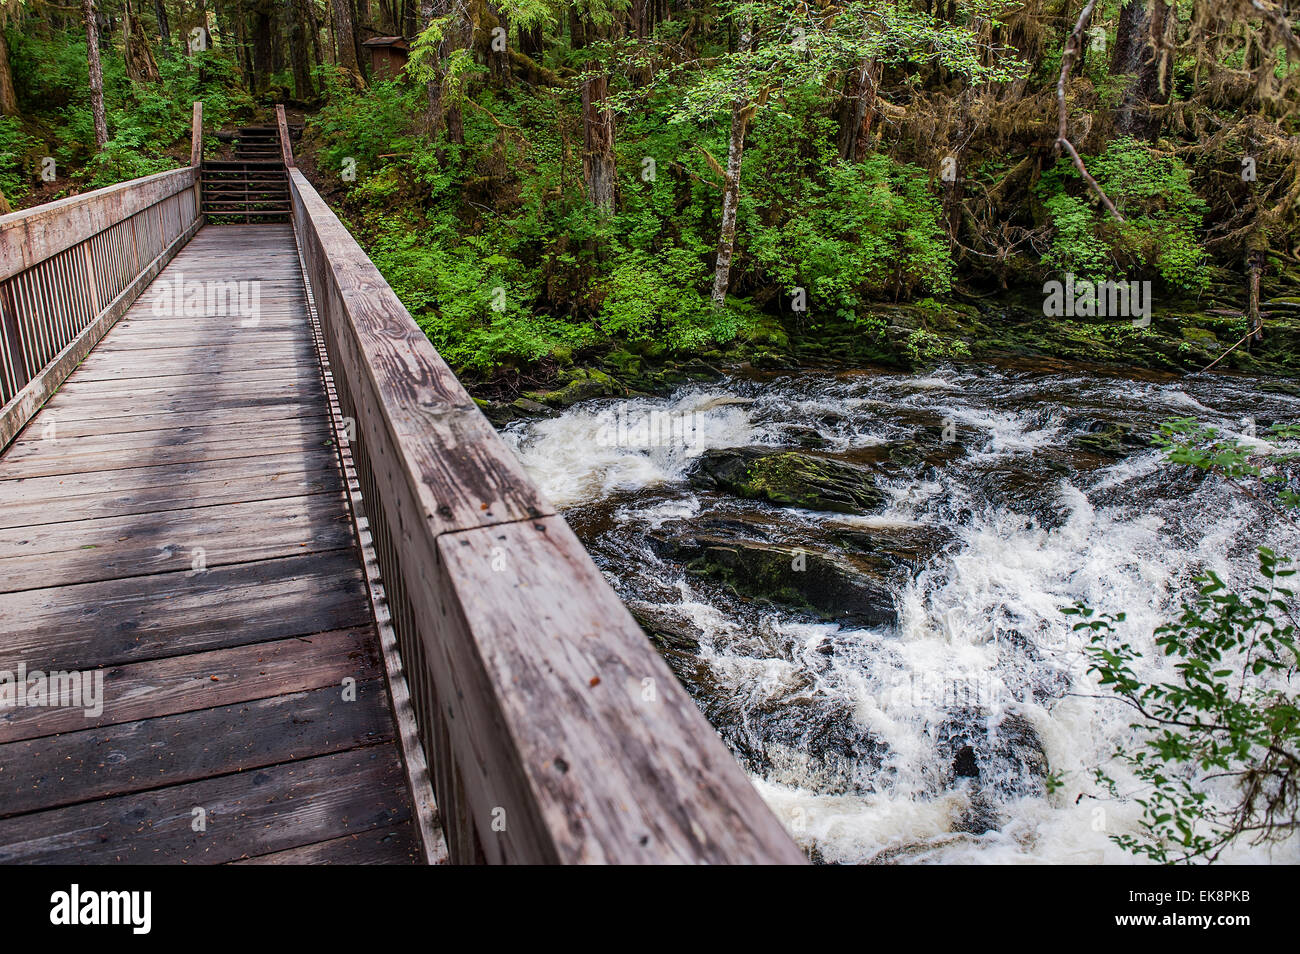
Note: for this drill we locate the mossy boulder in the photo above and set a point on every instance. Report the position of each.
(577, 384)
(789, 479)
(1204, 335)
(819, 583)
(622, 361)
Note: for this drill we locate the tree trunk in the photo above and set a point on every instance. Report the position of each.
(140, 64)
(296, 14)
(577, 29)
(262, 57)
(360, 9)
(345, 42)
(245, 50)
(8, 96)
(1144, 48)
(740, 109)
(459, 36)
(1127, 55)
(433, 88)
(598, 143)
(90, 14)
(858, 113)
(164, 30)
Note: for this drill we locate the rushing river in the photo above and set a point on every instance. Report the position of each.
(922, 733)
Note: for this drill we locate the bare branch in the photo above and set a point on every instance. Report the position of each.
(1073, 46)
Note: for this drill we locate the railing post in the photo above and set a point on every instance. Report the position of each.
(196, 135)
(196, 154)
(286, 151)
(13, 338)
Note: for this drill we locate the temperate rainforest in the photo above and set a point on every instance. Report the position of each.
(922, 375)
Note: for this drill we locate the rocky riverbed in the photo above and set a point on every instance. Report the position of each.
(860, 575)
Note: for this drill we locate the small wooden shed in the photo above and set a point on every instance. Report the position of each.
(388, 55)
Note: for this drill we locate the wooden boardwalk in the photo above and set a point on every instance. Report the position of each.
(175, 518)
(273, 589)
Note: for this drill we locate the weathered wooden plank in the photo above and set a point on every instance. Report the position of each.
(96, 763)
(161, 362)
(594, 714)
(163, 390)
(151, 617)
(64, 454)
(31, 490)
(108, 462)
(145, 401)
(296, 480)
(87, 550)
(215, 379)
(164, 421)
(196, 134)
(382, 846)
(271, 809)
(200, 340)
(154, 688)
(282, 127)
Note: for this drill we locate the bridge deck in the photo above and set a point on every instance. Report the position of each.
(175, 517)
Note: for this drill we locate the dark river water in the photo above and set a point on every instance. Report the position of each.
(922, 733)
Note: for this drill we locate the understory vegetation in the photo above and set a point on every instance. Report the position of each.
(544, 179)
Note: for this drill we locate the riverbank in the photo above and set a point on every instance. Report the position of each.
(1183, 339)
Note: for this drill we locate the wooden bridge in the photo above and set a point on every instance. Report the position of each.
(272, 590)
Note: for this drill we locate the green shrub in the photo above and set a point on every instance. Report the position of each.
(1162, 215)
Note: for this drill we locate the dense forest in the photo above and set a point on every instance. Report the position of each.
(758, 219)
(790, 180)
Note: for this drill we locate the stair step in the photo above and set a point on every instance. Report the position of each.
(247, 204)
(232, 213)
(240, 183)
(240, 163)
(245, 180)
(261, 195)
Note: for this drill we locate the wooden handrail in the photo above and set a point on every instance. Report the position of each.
(32, 236)
(553, 729)
(70, 269)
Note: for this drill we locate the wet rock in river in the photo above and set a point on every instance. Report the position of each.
(806, 736)
(1004, 759)
(816, 582)
(678, 643)
(789, 479)
(1112, 439)
(904, 547)
(807, 437)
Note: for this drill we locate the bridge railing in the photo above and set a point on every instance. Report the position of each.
(70, 269)
(553, 730)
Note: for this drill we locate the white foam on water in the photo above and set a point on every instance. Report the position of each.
(980, 632)
(600, 448)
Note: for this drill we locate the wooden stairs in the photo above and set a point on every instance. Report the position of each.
(252, 185)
